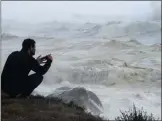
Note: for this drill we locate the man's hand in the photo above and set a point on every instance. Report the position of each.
(40, 60)
(49, 57)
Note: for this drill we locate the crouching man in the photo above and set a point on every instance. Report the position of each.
(15, 80)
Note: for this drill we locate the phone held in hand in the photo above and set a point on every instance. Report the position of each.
(45, 57)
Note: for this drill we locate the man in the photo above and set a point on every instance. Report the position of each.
(14, 78)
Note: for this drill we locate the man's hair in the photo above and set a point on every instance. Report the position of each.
(27, 43)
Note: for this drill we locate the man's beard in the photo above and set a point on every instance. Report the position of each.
(32, 53)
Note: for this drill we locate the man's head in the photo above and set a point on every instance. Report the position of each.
(28, 45)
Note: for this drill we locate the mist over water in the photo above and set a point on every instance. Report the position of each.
(118, 58)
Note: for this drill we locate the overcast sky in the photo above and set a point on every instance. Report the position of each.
(40, 11)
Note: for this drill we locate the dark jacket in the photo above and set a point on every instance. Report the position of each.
(17, 68)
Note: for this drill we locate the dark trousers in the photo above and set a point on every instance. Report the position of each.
(27, 87)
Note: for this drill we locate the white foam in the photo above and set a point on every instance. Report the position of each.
(119, 73)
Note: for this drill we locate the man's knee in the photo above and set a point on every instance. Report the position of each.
(36, 78)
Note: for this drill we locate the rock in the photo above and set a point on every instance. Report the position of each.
(81, 97)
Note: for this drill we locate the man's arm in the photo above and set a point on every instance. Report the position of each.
(36, 67)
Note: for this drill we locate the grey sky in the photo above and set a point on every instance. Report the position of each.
(39, 11)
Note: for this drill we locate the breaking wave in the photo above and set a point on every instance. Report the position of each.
(142, 31)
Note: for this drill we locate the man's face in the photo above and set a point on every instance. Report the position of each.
(32, 50)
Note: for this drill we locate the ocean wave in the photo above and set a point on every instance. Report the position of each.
(110, 30)
(133, 41)
(110, 75)
(121, 44)
(155, 47)
(8, 36)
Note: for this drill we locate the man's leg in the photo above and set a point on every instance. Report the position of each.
(12, 90)
(32, 82)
